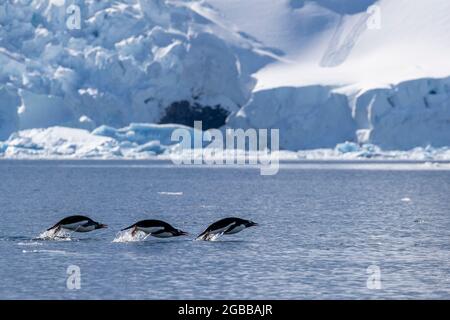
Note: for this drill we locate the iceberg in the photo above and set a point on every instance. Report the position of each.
(150, 141)
(136, 141)
(308, 118)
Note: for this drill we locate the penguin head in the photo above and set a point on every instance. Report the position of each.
(249, 224)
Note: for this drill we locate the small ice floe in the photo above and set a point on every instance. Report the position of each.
(406, 199)
(60, 235)
(167, 193)
(45, 251)
(127, 236)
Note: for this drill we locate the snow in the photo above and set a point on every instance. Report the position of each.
(323, 46)
(136, 141)
(324, 72)
(129, 61)
(413, 113)
(307, 117)
(396, 78)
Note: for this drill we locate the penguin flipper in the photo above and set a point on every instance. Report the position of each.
(156, 233)
(202, 236)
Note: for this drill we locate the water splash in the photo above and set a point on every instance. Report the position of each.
(126, 236)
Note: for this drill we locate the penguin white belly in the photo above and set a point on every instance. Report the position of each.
(76, 226)
(150, 229)
(236, 229)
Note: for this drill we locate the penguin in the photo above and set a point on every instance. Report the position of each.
(155, 228)
(77, 224)
(225, 226)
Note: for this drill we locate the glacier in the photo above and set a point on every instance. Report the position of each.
(152, 142)
(339, 79)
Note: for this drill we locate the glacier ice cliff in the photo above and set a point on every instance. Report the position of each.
(410, 114)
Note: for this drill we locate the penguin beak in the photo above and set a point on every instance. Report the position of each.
(182, 233)
(252, 224)
(102, 226)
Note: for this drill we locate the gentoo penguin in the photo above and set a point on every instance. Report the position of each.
(156, 228)
(77, 224)
(225, 226)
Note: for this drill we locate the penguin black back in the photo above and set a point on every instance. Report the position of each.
(150, 224)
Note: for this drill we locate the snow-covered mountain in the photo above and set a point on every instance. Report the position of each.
(322, 71)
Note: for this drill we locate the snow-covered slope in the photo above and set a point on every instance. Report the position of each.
(338, 42)
(322, 71)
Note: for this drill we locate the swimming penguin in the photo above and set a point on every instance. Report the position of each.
(77, 224)
(225, 226)
(156, 228)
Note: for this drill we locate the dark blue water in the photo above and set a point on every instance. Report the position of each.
(321, 228)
